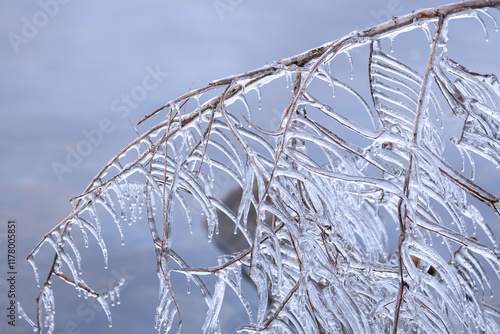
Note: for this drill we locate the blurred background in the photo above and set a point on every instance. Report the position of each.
(79, 72)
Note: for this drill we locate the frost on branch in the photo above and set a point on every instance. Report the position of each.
(343, 207)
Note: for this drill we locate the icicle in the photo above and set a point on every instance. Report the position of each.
(288, 79)
(82, 229)
(259, 96)
(151, 197)
(164, 313)
(211, 321)
(92, 210)
(67, 238)
(472, 164)
(111, 296)
(349, 57)
(105, 307)
(462, 154)
(391, 41)
(328, 67)
(100, 241)
(117, 294)
(187, 211)
(174, 111)
(69, 261)
(323, 70)
(133, 211)
(31, 261)
(242, 97)
(427, 31)
(120, 229)
(121, 198)
(211, 172)
(198, 107)
(54, 239)
(49, 305)
(23, 315)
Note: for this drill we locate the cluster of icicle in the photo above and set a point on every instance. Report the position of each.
(322, 263)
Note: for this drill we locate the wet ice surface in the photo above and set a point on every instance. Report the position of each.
(70, 77)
